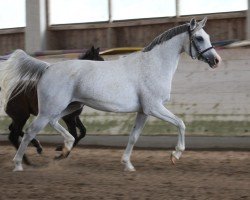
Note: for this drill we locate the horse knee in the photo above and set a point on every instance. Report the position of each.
(181, 125)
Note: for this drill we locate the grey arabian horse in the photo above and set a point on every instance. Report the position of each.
(139, 82)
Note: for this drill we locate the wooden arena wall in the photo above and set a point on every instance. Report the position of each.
(223, 26)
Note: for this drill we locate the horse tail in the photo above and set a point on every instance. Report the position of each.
(19, 73)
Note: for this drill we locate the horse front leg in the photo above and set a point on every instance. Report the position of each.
(140, 121)
(162, 113)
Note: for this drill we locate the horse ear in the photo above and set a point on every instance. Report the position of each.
(202, 23)
(192, 24)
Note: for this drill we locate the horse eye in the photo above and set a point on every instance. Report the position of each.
(199, 39)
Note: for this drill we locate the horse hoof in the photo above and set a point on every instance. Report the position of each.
(128, 166)
(173, 160)
(59, 148)
(18, 168)
(64, 154)
(60, 157)
(128, 169)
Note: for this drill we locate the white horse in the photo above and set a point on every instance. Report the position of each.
(140, 82)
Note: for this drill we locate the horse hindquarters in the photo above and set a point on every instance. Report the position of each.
(54, 107)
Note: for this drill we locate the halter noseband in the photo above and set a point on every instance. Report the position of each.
(199, 51)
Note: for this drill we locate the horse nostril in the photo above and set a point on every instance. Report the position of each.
(216, 60)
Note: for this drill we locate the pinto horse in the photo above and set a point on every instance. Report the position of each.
(23, 104)
(140, 82)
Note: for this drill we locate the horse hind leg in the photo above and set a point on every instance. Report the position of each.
(70, 121)
(38, 145)
(18, 122)
(34, 142)
(19, 119)
(68, 138)
(37, 125)
(14, 139)
(82, 129)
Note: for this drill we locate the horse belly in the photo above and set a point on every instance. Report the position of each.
(111, 98)
(112, 106)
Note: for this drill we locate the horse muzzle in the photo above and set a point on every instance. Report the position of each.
(212, 60)
(215, 62)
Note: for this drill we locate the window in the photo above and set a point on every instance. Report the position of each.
(78, 11)
(12, 13)
(132, 9)
(188, 7)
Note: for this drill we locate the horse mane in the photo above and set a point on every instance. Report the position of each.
(20, 72)
(167, 35)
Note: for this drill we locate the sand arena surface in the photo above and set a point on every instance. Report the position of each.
(90, 173)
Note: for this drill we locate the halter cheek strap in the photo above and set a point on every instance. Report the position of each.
(198, 50)
(190, 43)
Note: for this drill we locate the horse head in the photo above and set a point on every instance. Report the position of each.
(91, 54)
(199, 45)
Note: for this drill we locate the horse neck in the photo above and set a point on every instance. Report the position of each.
(166, 56)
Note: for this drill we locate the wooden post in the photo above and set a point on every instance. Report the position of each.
(111, 33)
(177, 12)
(36, 26)
(248, 22)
